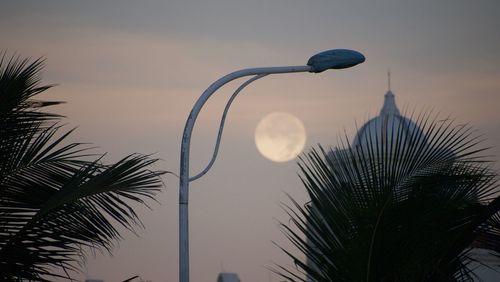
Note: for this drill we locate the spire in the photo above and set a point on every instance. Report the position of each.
(389, 107)
(389, 79)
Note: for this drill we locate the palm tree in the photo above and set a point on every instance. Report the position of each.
(57, 200)
(409, 209)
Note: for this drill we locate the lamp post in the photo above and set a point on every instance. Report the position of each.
(331, 59)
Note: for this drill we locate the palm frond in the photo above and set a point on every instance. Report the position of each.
(401, 205)
(57, 198)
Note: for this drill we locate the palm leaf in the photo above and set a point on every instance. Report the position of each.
(56, 199)
(396, 207)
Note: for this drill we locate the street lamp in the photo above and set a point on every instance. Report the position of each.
(331, 59)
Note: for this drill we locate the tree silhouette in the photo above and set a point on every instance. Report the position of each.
(57, 199)
(395, 207)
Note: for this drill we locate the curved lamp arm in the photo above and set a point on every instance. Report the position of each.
(188, 129)
(221, 126)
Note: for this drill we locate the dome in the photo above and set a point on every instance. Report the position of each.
(382, 129)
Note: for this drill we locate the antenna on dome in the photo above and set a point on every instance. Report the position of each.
(388, 79)
(222, 266)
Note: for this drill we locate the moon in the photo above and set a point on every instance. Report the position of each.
(280, 136)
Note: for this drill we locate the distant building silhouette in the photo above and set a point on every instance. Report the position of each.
(228, 277)
(380, 130)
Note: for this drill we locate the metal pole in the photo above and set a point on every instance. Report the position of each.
(185, 147)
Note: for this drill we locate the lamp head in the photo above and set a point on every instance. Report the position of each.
(335, 59)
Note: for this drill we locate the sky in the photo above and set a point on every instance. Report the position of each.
(130, 72)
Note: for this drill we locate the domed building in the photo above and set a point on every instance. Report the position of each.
(380, 134)
(382, 129)
(388, 124)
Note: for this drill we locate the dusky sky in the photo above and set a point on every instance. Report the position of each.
(131, 71)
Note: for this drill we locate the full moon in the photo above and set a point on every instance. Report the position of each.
(280, 137)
